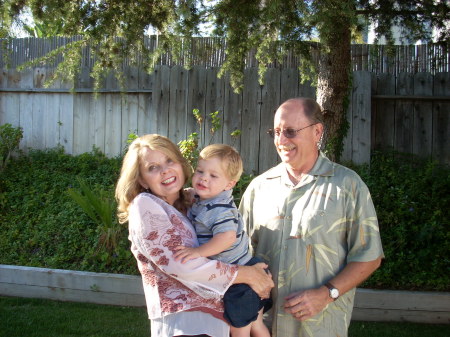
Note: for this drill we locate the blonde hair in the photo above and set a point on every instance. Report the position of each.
(128, 186)
(228, 155)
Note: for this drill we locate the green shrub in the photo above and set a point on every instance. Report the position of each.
(42, 226)
(412, 203)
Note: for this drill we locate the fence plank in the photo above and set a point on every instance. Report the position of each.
(145, 79)
(251, 119)
(270, 100)
(346, 155)
(84, 79)
(39, 109)
(214, 101)
(3, 78)
(39, 77)
(25, 107)
(82, 141)
(24, 103)
(42, 77)
(66, 117)
(145, 113)
(403, 138)
(347, 150)
(7, 102)
(289, 84)
(113, 141)
(422, 130)
(306, 90)
(361, 117)
(160, 101)
(130, 111)
(8, 114)
(384, 113)
(232, 115)
(4, 118)
(131, 75)
(98, 108)
(130, 104)
(441, 119)
(51, 121)
(195, 97)
(177, 107)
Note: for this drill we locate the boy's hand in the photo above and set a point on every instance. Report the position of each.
(186, 253)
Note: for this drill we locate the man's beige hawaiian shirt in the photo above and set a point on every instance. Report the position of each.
(307, 234)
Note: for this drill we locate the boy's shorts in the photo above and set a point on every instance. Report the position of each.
(242, 304)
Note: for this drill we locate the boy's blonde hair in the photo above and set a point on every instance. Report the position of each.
(228, 155)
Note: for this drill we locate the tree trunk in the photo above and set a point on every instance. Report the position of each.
(333, 84)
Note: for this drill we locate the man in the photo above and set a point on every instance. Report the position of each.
(314, 223)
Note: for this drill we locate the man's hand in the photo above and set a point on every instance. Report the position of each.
(303, 305)
(186, 253)
(257, 278)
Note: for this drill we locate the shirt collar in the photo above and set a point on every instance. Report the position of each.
(225, 195)
(323, 167)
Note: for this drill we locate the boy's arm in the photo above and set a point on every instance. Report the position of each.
(218, 243)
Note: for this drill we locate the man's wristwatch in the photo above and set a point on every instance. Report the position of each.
(334, 292)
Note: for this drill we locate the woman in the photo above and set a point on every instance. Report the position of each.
(151, 198)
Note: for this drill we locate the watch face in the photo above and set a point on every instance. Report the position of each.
(334, 293)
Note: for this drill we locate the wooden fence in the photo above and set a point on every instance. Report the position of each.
(210, 52)
(409, 112)
(161, 103)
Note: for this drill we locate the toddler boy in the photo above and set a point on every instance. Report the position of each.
(221, 235)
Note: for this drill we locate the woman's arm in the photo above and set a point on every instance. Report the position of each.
(218, 243)
(156, 229)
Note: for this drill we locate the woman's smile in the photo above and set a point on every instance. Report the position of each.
(169, 181)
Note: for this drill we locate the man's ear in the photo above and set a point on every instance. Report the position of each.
(319, 130)
(230, 185)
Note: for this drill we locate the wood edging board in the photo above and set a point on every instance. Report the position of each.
(127, 290)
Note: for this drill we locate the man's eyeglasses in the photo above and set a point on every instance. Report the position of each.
(288, 133)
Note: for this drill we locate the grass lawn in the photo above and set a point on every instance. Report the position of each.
(24, 317)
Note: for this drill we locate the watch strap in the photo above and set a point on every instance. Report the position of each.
(329, 285)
